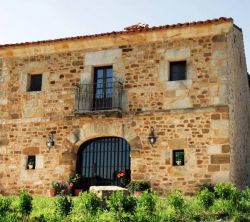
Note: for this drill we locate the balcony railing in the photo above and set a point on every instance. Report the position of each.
(90, 98)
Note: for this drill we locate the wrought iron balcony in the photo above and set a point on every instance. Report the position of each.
(96, 97)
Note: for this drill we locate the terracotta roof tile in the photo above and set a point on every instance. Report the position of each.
(127, 31)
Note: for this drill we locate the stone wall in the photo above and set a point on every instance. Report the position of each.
(192, 114)
(239, 109)
(200, 134)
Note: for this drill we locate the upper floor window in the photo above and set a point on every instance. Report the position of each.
(177, 70)
(35, 82)
(103, 87)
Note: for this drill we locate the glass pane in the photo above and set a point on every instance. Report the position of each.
(177, 71)
(99, 73)
(99, 93)
(35, 82)
(99, 83)
(109, 72)
(109, 92)
(109, 85)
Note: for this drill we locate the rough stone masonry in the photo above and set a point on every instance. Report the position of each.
(206, 115)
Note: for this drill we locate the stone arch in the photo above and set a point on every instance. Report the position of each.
(93, 130)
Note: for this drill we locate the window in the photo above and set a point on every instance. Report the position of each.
(103, 87)
(35, 82)
(177, 71)
(31, 163)
(178, 157)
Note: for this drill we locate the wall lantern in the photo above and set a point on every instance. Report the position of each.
(50, 142)
(151, 136)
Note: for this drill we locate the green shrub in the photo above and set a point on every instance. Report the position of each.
(226, 191)
(241, 218)
(208, 186)
(40, 218)
(243, 201)
(146, 207)
(87, 203)
(222, 209)
(25, 203)
(120, 202)
(176, 200)
(106, 216)
(63, 205)
(147, 202)
(138, 186)
(43, 206)
(5, 204)
(169, 215)
(10, 217)
(206, 198)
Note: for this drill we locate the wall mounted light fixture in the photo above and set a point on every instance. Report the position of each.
(50, 142)
(151, 136)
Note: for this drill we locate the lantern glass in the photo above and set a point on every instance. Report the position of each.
(50, 142)
(152, 137)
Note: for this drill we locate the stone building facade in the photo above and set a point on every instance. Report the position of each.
(205, 115)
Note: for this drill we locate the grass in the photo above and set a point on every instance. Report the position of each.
(223, 203)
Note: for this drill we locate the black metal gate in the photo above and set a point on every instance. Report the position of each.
(100, 160)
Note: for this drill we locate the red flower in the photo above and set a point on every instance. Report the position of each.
(121, 174)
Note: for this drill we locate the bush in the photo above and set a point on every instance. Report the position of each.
(222, 209)
(176, 200)
(107, 216)
(87, 203)
(10, 217)
(25, 203)
(241, 218)
(119, 202)
(147, 202)
(39, 218)
(208, 186)
(60, 187)
(138, 186)
(170, 215)
(243, 201)
(43, 207)
(5, 204)
(206, 198)
(63, 205)
(226, 191)
(146, 207)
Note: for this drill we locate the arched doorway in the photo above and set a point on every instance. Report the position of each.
(101, 159)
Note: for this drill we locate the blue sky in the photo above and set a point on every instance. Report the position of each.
(31, 20)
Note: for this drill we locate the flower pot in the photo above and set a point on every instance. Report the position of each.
(51, 192)
(77, 192)
(178, 162)
(137, 193)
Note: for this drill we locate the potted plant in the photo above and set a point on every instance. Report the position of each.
(74, 184)
(31, 164)
(51, 192)
(137, 187)
(58, 188)
(122, 178)
(178, 162)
